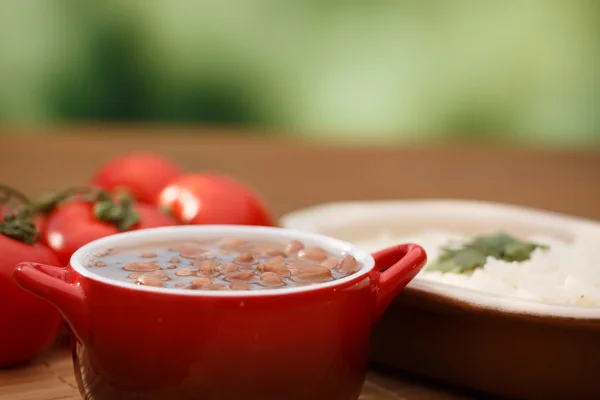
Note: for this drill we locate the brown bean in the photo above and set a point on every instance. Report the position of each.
(348, 265)
(102, 253)
(293, 266)
(134, 275)
(149, 280)
(275, 252)
(180, 284)
(313, 273)
(294, 247)
(197, 255)
(148, 255)
(160, 275)
(313, 253)
(271, 279)
(240, 276)
(184, 272)
(216, 286)
(99, 264)
(141, 267)
(229, 268)
(196, 283)
(203, 263)
(239, 285)
(174, 260)
(244, 258)
(232, 244)
(185, 247)
(172, 267)
(330, 263)
(209, 268)
(268, 250)
(276, 265)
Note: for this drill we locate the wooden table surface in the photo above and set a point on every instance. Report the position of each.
(291, 175)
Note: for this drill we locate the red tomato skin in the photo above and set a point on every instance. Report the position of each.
(214, 199)
(152, 217)
(74, 224)
(143, 175)
(40, 224)
(28, 325)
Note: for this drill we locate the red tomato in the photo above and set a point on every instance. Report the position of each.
(74, 224)
(40, 223)
(213, 199)
(142, 175)
(28, 325)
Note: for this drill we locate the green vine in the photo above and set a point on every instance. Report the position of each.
(16, 220)
(117, 210)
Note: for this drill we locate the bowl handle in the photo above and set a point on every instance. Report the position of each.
(50, 284)
(394, 268)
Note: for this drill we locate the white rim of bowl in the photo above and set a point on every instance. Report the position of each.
(199, 232)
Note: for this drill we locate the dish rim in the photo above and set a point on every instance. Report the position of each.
(319, 217)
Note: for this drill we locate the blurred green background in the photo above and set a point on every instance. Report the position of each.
(401, 70)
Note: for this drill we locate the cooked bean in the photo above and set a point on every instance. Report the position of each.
(240, 276)
(271, 279)
(276, 265)
(160, 275)
(229, 268)
(141, 267)
(208, 269)
(149, 280)
(184, 272)
(213, 262)
(174, 260)
(348, 265)
(232, 244)
(197, 255)
(185, 247)
(198, 282)
(216, 286)
(267, 250)
(134, 275)
(313, 273)
(294, 247)
(99, 264)
(239, 285)
(149, 255)
(313, 253)
(172, 267)
(102, 253)
(330, 263)
(244, 258)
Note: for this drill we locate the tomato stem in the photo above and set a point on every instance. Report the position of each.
(21, 229)
(117, 210)
(120, 213)
(48, 203)
(16, 220)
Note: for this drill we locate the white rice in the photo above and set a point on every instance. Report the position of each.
(567, 273)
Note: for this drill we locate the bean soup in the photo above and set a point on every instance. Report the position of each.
(223, 264)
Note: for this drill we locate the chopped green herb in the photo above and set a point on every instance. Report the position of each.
(474, 254)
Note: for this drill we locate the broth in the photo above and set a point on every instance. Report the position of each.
(223, 264)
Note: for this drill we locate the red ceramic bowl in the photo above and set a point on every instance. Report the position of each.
(143, 343)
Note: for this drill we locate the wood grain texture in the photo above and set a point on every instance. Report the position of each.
(291, 175)
(51, 378)
(296, 174)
